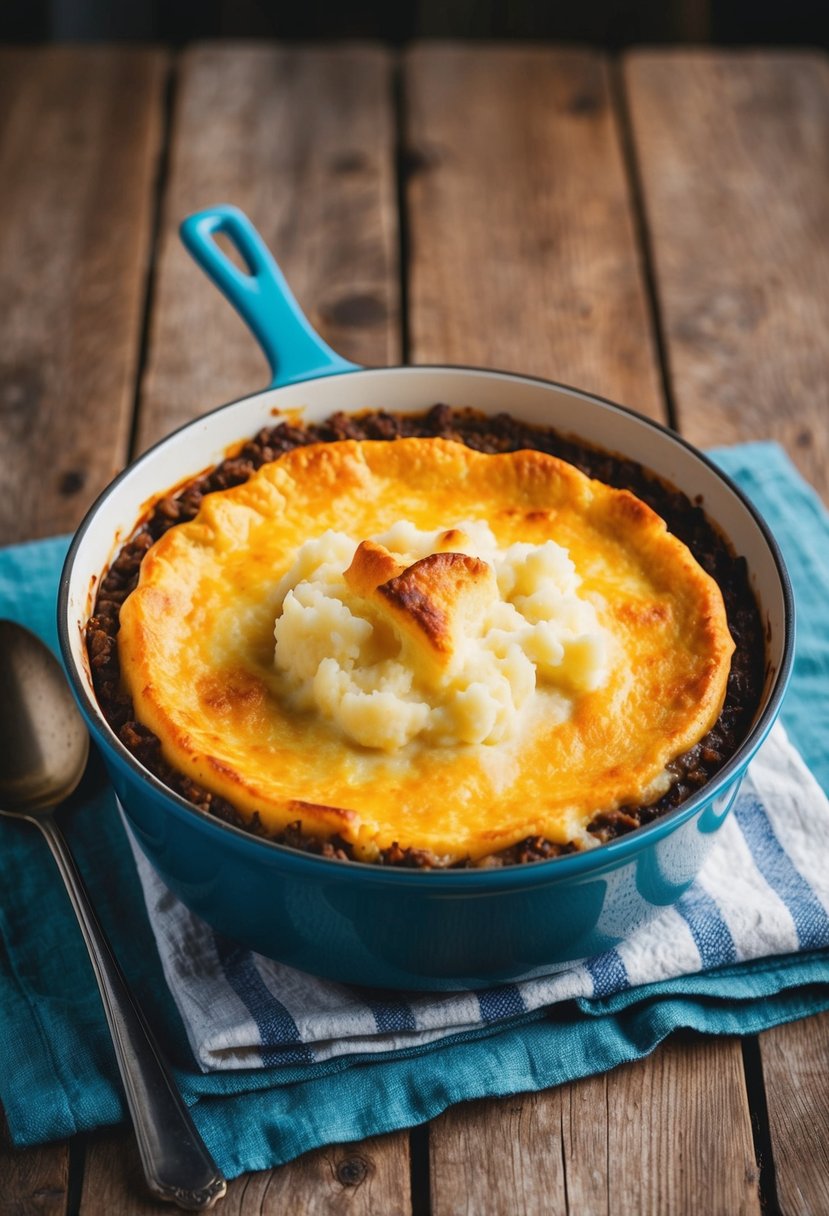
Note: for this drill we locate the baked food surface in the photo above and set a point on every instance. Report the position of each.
(486, 433)
(412, 553)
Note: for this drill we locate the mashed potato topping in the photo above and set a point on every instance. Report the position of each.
(544, 667)
(365, 658)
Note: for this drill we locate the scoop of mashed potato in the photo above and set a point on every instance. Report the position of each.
(438, 635)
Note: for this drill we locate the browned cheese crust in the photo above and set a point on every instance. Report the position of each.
(375, 573)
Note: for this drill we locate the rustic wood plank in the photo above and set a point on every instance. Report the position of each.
(645, 1138)
(680, 1124)
(585, 1143)
(797, 1097)
(364, 1178)
(303, 141)
(113, 1180)
(358, 1179)
(523, 254)
(520, 1140)
(733, 151)
(79, 141)
(80, 133)
(33, 1179)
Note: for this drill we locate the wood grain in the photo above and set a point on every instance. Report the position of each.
(733, 151)
(79, 142)
(372, 1177)
(679, 1133)
(33, 1179)
(499, 1157)
(360, 1179)
(645, 1138)
(522, 246)
(522, 253)
(797, 1097)
(303, 141)
(113, 1180)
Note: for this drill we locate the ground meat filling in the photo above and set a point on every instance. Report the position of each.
(499, 434)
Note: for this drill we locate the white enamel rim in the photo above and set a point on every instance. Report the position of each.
(203, 443)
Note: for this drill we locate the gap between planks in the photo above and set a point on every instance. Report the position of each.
(359, 1179)
(79, 146)
(323, 194)
(733, 156)
(575, 355)
(638, 1139)
(524, 253)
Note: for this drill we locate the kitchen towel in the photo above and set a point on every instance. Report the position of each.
(763, 891)
(58, 1074)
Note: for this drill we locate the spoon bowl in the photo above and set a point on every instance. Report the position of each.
(44, 743)
(44, 748)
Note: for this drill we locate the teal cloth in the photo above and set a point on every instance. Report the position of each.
(58, 1073)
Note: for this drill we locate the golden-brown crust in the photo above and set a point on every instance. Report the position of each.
(337, 816)
(371, 565)
(428, 600)
(196, 640)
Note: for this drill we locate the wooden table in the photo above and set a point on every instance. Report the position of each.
(655, 230)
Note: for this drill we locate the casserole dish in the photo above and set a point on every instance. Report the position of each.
(366, 924)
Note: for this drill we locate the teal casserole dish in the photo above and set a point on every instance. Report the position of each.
(368, 924)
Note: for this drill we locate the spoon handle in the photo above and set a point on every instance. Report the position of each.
(176, 1162)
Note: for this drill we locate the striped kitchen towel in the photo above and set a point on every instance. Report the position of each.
(763, 891)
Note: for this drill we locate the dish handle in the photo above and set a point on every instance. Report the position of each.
(260, 295)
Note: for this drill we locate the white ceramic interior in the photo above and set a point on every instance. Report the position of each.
(204, 442)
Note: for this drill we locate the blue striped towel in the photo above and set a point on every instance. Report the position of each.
(753, 900)
(763, 891)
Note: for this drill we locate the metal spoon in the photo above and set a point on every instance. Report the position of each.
(43, 752)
